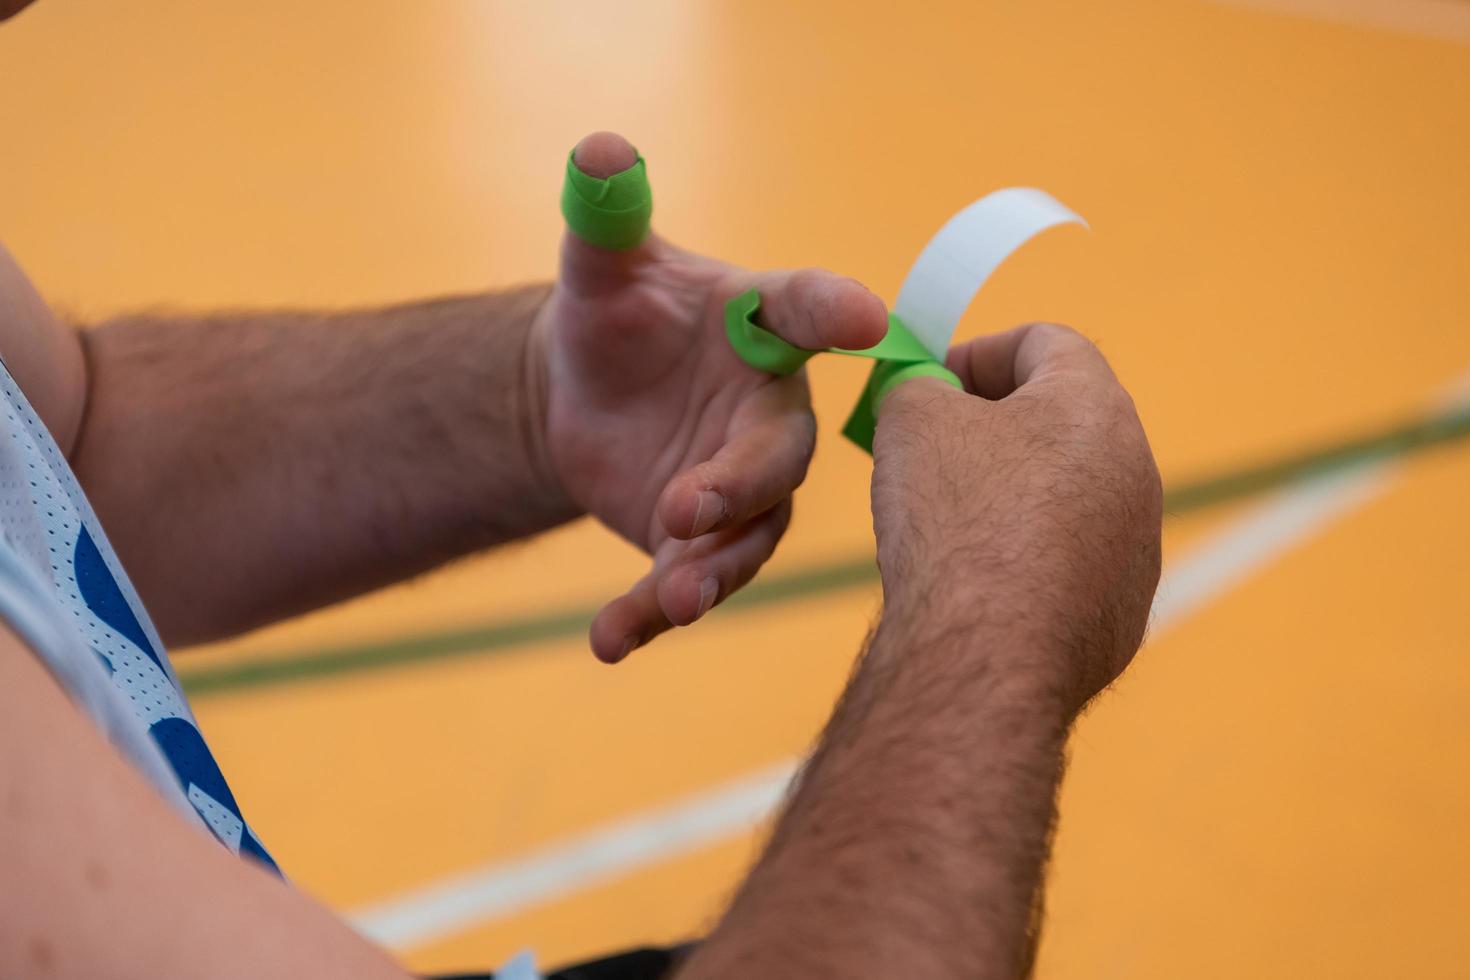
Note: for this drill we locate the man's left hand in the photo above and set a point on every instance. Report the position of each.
(656, 427)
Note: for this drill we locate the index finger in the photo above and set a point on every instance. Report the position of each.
(996, 365)
(814, 309)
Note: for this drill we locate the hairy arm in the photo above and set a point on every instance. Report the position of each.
(253, 465)
(915, 841)
(104, 879)
(250, 466)
(1018, 540)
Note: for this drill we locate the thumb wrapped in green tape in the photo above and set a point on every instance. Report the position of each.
(612, 212)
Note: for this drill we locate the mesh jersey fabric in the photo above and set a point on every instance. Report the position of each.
(63, 591)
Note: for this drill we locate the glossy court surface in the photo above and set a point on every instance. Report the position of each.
(1278, 267)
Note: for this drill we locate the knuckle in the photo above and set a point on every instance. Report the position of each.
(1067, 342)
(1061, 338)
(1116, 405)
(807, 284)
(1047, 330)
(727, 481)
(732, 283)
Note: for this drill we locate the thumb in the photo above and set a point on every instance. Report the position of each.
(603, 154)
(607, 203)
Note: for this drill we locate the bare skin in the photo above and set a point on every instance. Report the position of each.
(170, 903)
(1019, 547)
(253, 465)
(250, 466)
(1018, 539)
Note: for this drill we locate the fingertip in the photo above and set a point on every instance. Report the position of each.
(678, 507)
(840, 311)
(609, 637)
(859, 315)
(603, 154)
(608, 204)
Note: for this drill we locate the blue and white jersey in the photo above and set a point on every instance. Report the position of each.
(64, 592)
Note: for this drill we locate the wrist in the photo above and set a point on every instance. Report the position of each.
(503, 474)
(981, 641)
(534, 392)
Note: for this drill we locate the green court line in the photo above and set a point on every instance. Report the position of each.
(520, 632)
(1400, 440)
(492, 637)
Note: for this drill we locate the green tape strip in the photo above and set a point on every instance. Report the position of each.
(862, 424)
(756, 345)
(610, 213)
(900, 357)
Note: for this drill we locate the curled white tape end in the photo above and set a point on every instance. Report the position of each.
(961, 256)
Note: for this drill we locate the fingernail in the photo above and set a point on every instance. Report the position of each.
(709, 590)
(629, 645)
(709, 507)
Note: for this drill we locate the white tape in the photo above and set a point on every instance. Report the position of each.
(961, 256)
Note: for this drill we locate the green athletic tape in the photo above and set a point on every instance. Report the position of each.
(610, 213)
(891, 374)
(899, 354)
(757, 346)
(863, 422)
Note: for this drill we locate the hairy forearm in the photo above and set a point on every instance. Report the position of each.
(915, 842)
(249, 466)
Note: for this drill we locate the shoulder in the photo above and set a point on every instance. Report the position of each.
(42, 353)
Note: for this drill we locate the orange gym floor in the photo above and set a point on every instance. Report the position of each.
(1278, 267)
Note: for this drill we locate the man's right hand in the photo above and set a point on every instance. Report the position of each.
(1036, 505)
(1018, 537)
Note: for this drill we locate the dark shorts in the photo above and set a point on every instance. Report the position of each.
(638, 964)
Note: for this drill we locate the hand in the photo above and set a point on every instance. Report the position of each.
(1037, 505)
(656, 427)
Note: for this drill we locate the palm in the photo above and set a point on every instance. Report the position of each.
(642, 386)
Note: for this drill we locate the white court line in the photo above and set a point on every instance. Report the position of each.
(1233, 553)
(1443, 20)
(496, 891)
(499, 890)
